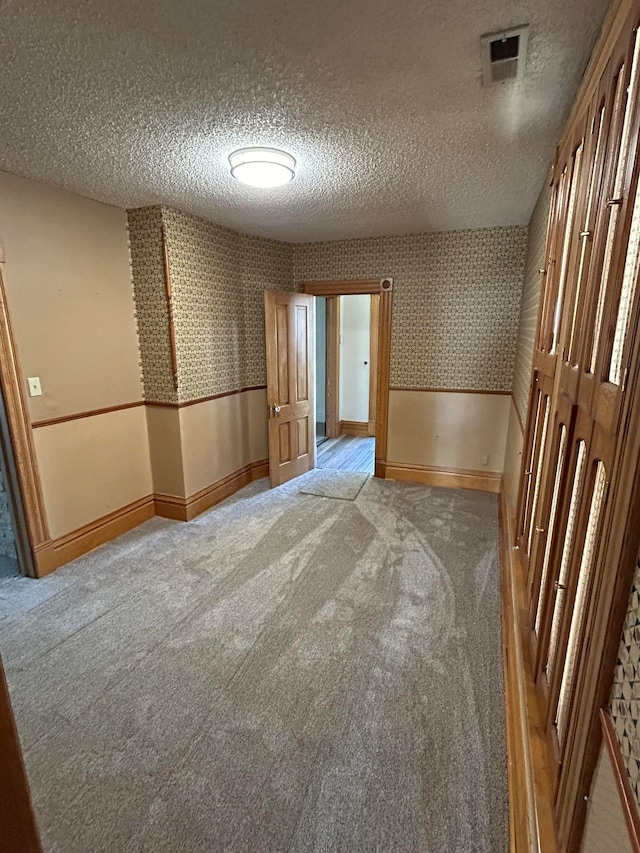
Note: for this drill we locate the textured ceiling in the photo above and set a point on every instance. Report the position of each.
(136, 102)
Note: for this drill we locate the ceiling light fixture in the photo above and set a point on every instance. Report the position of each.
(262, 167)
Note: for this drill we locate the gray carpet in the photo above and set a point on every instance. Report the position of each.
(345, 486)
(282, 674)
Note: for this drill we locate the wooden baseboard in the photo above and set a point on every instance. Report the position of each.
(184, 509)
(56, 552)
(380, 469)
(453, 478)
(354, 428)
(531, 822)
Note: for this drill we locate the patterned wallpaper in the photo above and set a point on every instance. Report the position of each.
(145, 247)
(218, 281)
(456, 300)
(455, 307)
(625, 694)
(530, 300)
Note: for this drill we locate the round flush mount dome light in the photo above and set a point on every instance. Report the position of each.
(262, 167)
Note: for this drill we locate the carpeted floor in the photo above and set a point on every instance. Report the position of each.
(285, 673)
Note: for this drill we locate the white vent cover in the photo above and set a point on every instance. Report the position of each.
(504, 55)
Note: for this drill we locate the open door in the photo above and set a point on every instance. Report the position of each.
(18, 832)
(289, 324)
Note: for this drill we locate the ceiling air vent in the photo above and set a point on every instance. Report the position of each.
(504, 55)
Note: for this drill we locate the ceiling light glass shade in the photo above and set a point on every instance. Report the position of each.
(262, 167)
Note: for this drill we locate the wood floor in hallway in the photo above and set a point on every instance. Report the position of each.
(347, 453)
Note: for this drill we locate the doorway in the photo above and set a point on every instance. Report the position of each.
(290, 325)
(9, 566)
(23, 527)
(346, 355)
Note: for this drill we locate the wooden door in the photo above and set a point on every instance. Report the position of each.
(289, 323)
(18, 832)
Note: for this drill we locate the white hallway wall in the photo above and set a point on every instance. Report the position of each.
(355, 319)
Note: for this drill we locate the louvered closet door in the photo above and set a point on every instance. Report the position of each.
(541, 388)
(544, 451)
(605, 354)
(550, 526)
(587, 327)
(582, 380)
(539, 410)
(583, 336)
(581, 158)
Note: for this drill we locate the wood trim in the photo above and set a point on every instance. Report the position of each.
(169, 296)
(518, 751)
(451, 390)
(530, 780)
(359, 428)
(333, 367)
(374, 325)
(450, 478)
(54, 553)
(384, 287)
(219, 396)
(346, 288)
(185, 509)
(17, 821)
(627, 797)
(89, 414)
(384, 378)
(57, 552)
(20, 429)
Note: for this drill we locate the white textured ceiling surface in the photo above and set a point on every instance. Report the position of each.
(138, 102)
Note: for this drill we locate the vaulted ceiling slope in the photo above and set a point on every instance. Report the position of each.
(380, 101)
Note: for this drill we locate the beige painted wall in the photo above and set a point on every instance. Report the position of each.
(512, 458)
(220, 436)
(448, 429)
(355, 332)
(605, 828)
(195, 446)
(165, 447)
(69, 290)
(92, 466)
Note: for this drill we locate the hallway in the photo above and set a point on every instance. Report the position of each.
(347, 453)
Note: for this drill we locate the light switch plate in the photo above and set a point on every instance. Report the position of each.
(34, 386)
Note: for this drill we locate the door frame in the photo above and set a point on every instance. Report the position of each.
(16, 437)
(384, 288)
